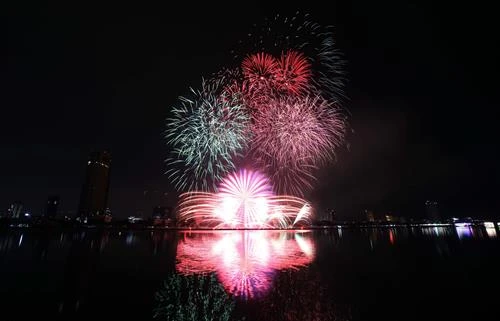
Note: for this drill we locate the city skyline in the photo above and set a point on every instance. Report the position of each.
(417, 133)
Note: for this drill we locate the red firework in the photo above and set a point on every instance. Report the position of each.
(293, 72)
(259, 68)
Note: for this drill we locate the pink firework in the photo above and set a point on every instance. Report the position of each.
(245, 200)
(293, 72)
(293, 136)
(298, 130)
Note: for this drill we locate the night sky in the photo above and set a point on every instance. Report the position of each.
(423, 94)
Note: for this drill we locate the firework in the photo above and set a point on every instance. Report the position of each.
(294, 135)
(265, 75)
(259, 68)
(245, 200)
(206, 134)
(280, 108)
(293, 72)
(300, 34)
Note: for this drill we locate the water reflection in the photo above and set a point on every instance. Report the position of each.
(244, 261)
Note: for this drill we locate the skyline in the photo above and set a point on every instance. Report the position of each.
(108, 84)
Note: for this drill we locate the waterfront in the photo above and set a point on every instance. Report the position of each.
(419, 273)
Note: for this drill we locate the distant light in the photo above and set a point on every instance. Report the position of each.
(491, 232)
(26, 214)
(88, 163)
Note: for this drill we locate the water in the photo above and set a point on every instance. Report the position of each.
(435, 273)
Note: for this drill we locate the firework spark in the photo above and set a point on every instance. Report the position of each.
(206, 134)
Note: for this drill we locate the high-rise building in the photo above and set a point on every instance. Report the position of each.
(94, 196)
(52, 205)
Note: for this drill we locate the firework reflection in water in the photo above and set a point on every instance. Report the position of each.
(245, 261)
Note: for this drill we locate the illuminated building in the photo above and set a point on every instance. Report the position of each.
(94, 196)
(52, 205)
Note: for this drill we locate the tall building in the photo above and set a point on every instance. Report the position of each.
(52, 205)
(94, 196)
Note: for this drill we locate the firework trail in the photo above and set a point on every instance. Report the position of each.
(206, 133)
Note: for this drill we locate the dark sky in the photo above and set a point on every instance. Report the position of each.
(423, 94)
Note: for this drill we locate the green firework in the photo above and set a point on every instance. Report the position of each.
(206, 133)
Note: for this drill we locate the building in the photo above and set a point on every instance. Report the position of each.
(52, 205)
(94, 195)
(432, 211)
(15, 210)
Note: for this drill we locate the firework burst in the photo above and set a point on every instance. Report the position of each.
(292, 137)
(259, 68)
(205, 133)
(300, 34)
(245, 200)
(298, 130)
(280, 108)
